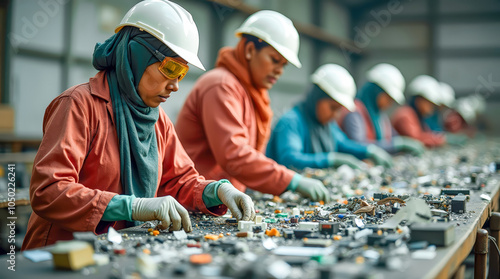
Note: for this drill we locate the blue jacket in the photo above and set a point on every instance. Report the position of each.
(290, 142)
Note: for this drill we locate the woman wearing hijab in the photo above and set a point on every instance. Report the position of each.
(308, 136)
(225, 122)
(369, 124)
(409, 120)
(109, 155)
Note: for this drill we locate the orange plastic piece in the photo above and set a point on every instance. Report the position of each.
(358, 192)
(156, 232)
(273, 232)
(200, 259)
(379, 232)
(399, 231)
(309, 212)
(228, 233)
(221, 235)
(150, 230)
(345, 202)
(211, 237)
(360, 260)
(277, 211)
(337, 237)
(277, 199)
(146, 251)
(391, 190)
(322, 202)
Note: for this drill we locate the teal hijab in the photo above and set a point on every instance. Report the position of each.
(125, 59)
(368, 95)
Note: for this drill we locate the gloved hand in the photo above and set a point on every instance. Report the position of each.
(165, 209)
(379, 156)
(340, 159)
(240, 204)
(313, 189)
(456, 139)
(406, 144)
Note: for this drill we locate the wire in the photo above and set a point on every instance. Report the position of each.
(494, 242)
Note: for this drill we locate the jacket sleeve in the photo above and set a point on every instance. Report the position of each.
(354, 127)
(406, 123)
(229, 140)
(346, 145)
(55, 192)
(180, 179)
(288, 147)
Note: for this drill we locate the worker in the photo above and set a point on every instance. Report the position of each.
(460, 117)
(408, 120)
(109, 155)
(225, 122)
(446, 119)
(308, 136)
(369, 123)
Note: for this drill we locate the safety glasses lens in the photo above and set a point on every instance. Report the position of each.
(173, 69)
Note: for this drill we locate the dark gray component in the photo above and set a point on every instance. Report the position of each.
(439, 234)
(288, 234)
(454, 192)
(375, 240)
(329, 228)
(299, 234)
(458, 204)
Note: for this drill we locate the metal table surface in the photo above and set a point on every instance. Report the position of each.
(444, 265)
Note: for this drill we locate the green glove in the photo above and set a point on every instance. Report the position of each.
(313, 189)
(456, 139)
(338, 159)
(379, 156)
(406, 144)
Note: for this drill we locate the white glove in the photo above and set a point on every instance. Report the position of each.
(313, 189)
(165, 209)
(240, 204)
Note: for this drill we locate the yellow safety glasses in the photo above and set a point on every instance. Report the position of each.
(170, 67)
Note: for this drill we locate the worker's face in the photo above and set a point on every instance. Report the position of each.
(424, 106)
(327, 110)
(384, 101)
(154, 88)
(266, 65)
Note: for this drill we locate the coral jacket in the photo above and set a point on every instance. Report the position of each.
(77, 168)
(405, 121)
(217, 127)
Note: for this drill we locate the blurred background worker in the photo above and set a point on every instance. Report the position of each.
(109, 155)
(369, 123)
(461, 117)
(225, 122)
(423, 102)
(308, 136)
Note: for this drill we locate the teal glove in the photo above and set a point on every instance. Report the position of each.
(406, 144)
(313, 189)
(456, 139)
(379, 156)
(338, 159)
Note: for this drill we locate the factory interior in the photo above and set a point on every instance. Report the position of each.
(394, 173)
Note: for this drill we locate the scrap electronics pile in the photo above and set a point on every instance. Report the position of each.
(378, 220)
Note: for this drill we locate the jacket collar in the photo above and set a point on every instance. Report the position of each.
(99, 88)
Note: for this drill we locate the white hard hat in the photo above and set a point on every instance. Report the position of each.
(465, 109)
(390, 79)
(427, 87)
(169, 23)
(276, 30)
(447, 94)
(337, 83)
(478, 103)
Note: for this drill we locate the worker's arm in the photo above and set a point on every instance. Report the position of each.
(406, 123)
(229, 139)
(287, 142)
